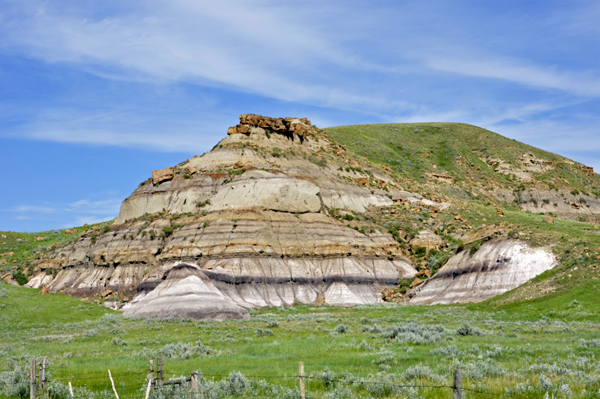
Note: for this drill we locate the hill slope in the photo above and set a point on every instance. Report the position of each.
(543, 198)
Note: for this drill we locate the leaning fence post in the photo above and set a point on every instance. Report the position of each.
(148, 389)
(301, 379)
(195, 381)
(113, 384)
(71, 390)
(457, 394)
(152, 383)
(33, 382)
(159, 370)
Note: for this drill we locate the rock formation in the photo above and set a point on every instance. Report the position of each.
(498, 266)
(264, 219)
(250, 220)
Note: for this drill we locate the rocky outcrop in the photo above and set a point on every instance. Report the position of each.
(289, 126)
(159, 176)
(498, 266)
(525, 164)
(558, 202)
(426, 239)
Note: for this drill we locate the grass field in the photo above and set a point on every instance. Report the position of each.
(522, 349)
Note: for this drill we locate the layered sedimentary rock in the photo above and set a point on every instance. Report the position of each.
(498, 266)
(252, 216)
(184, 291)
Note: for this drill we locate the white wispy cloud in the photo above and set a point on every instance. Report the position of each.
(405, 62)
(70, 214)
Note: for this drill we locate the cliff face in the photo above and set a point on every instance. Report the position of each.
(250, 221)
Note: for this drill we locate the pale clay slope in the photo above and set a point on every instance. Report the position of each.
(266, 239)
(186, 292)
(497, 267)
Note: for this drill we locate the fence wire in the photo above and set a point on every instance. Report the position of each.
(102, 376)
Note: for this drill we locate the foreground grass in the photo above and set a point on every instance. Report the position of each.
(348, 351)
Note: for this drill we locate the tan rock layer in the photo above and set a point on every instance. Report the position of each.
(298, 126)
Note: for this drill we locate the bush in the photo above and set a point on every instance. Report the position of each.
(415, 333)
(266, 332)
(182, 350)
(14, 383)
(341, 328)
(467, 329)
(202, 204)
(403, 285)
(167, 231)
(20, 277)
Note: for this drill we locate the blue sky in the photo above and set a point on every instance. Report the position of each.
(95, 95)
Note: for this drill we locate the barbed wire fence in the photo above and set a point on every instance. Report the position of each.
(154, 380)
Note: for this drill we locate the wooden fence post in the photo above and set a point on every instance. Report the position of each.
(159, 371)
(152, 382)
(457, 394)
(301, 379)
(113, 384)
(43, 374)
(32, 386)
(194, 377)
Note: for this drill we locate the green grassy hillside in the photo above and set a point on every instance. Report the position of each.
(417, 149)
(20, 252)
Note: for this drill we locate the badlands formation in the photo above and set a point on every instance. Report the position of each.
(261, 220)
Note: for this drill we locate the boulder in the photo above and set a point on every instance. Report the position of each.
(159, 176)
(416, 282)
(548, 219)
(427, 239)
(189, 170)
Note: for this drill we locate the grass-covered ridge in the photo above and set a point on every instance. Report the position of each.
(20, 252)
(415, 150)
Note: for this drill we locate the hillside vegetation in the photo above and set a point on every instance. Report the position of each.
(461, 151)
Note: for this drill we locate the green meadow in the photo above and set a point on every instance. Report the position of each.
(524, 350)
